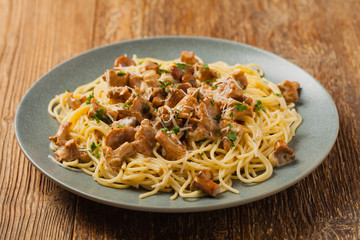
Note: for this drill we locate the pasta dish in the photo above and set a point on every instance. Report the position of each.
(180, 126)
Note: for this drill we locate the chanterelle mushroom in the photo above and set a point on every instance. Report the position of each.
(289, 91)
(203, 181)
(282, 154)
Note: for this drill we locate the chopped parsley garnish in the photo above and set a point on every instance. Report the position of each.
(176, 117)
(230, 126)
(241, 107)
(201, 154)
(232, 137)
(127, 104)
(175, 85)
(203, 140)
(262, 75)
(155, 109)
(244, 87)
(94, 149)
(218, 117)
(259, 106)
(215, 86)
(212, 102)
(176, 130)
(177, 110)
(88, 101)
(100, 116)
(198, 96)
(86, 124)
(137, 94)
(164, 129)
(68, 90)
(279, 94)
(121, 74)
(141, 62)
(146, 109)
(205, 66)
(164, 85)
(210, 81)
(120, 126)
(231, 114)
(160, 70)
(182, 67)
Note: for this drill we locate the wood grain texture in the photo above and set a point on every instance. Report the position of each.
(323, 37)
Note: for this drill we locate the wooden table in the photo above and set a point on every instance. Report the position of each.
(321, 36)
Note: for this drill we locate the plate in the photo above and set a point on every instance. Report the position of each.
(312, 143)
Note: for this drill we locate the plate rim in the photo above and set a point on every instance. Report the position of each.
(169, 209)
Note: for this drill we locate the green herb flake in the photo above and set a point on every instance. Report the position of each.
(164, 85)
(146, 109)
(230, 126)
(244, 87)
(215, 86)
(198, 96)
(210, 81)
(121, 74)
(176, 130)
(212, 102)
(205, 66)
(241, 107)
(88, 101)
(262, 76)
(155, 109)
(175, 85)
(141, 62)
(278, 94)
(160, 70)
(99, 115)
(177, 110)
(137, 94)
(86, 124)
(232, 136)
(120, 126)
(94, 149)
(201, 154)
(259, 106)
(218, 117)
(67, 90)
(127, 104)
(164, 130)
(231, 114)
(182, 67)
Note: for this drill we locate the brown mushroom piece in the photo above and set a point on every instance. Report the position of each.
(289, 91)
(119, 94)
(240, 78)
(173, 148)
(203, 181)
(68, 152)
(145, 138)
(115, 157)
(188, 57)
(116, 79)
(124, 61)
(149, 65)
(119, 136)
(282, 154)
(62, 134)
(73, 102)
(204, 73)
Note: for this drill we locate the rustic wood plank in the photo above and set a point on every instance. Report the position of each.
(31, 206)
(320, 36)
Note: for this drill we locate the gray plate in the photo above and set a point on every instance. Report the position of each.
(313, 141)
